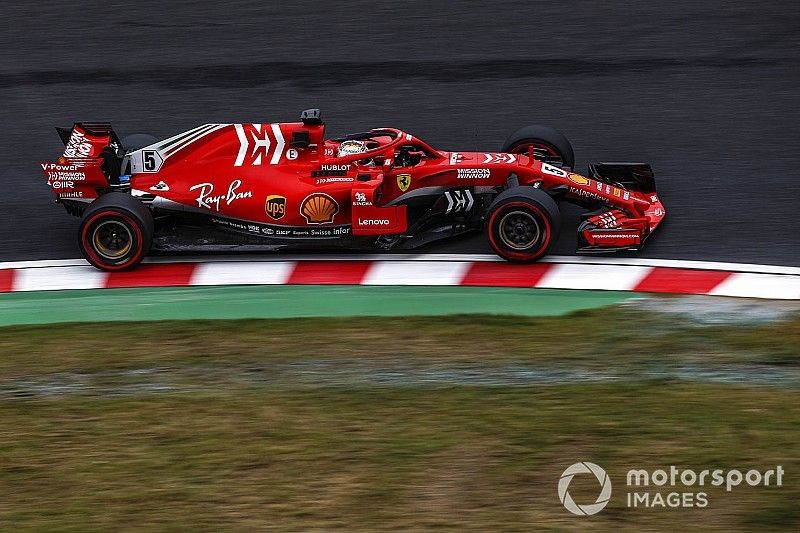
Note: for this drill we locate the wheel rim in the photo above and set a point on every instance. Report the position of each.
(519, 230)
(541, 152)
(112, 239)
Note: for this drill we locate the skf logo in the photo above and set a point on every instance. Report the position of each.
(275, 206)
(319, 208)
(403, 182)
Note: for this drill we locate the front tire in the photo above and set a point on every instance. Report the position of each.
(116, 232)
(548, 145)
(522, 224)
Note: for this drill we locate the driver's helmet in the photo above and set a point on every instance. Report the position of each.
(351, 147)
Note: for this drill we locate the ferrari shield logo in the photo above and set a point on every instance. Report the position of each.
(275, 206)
(403, 182)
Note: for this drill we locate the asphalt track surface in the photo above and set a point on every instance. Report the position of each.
(707, 92)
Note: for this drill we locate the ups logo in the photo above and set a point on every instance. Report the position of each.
(275, 206)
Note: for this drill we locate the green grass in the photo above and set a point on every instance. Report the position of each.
(456, 458)
(595, 339)
(222, 452)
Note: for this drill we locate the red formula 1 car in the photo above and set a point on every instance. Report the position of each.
(285, 185)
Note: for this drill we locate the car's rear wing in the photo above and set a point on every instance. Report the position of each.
(89, 164)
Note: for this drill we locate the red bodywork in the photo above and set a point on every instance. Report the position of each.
(287, 175)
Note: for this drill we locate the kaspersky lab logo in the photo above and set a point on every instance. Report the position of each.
(584, 468)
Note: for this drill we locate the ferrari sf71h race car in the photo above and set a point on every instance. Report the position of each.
(284, 185)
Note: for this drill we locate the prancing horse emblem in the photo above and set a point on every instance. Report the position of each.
(403, 182)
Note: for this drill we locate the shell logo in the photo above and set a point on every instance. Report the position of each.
(319, 208)
(580, 180)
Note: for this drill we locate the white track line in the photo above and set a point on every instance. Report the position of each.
(595, 277)
(43, 264)
(59, 278)
(747, 285)
(252, 273)
(416, 273)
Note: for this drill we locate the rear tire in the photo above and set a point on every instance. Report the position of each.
(549, 145)
(116, 232)
(522, 224)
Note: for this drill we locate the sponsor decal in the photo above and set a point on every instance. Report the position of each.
(283, 231)
(78, 145)
(207, 199)
(69, 173)
(653, 198)
(331, 170)
(455, 158)
(586, 194)
(319, 208)
(615, 235)
(361, 199)
(252, 135)
(617, 192)
(292, 154)
(403, 182)
(580, 180)
(473, 173)
(312, 232)
(553, 171)
(74, 194)
(160, 186)
(458, 201)
(373, 222)
(65, 176)
(275, 206)
(499, 158)
(323, 181)
(61, 166)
